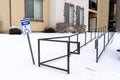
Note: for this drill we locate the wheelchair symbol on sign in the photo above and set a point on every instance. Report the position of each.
(26, 30)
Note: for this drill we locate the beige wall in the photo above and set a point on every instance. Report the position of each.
(4, 15)
(17, 9)
(103, 13)
(18, 13)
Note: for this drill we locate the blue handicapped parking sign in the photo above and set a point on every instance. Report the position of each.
(25, 23)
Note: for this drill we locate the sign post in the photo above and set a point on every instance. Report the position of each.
(27, 30)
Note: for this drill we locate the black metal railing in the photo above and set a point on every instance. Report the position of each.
(101, 42)
(91, 35)
(69, 52)
(87, 37)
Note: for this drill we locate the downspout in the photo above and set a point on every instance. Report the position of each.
(10, 14)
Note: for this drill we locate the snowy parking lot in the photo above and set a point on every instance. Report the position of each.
(16, 63)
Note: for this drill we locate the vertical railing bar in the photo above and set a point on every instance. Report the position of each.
(104, 41)
(96, 47)
(78, 47)
(108, 36)
(91, 35)
(98, 32)
(68, 55)
(102, 30)
(95, 33)
(77, 38)
(85, 37)
(39, 53)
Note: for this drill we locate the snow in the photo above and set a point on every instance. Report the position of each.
(16, 62)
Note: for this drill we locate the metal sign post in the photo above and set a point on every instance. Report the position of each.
(31, 49)
(27, 30)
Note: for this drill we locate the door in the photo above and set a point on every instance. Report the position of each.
(92, 23)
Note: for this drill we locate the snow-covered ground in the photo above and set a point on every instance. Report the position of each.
(16, 63)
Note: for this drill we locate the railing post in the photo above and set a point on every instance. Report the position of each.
(104, 41)
(108, 36)
(105, 28)
(78, 44)
(98, 32)
(95, 34)
(78, 47)
(96, 47)
(68, 56)
(91, 35)
(85, 37)
(38, 52)
(77, 38)
(101, 30)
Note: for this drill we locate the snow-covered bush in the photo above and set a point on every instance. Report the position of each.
(15, 30)
(49, 30)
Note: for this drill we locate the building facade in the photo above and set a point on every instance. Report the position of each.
(59, 12)
(98, 14)
(12, 11)
(93, 14)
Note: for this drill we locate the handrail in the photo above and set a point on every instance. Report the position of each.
(68, 42)
(98, 55)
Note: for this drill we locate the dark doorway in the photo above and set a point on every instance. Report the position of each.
(92, 23)
(112, 15)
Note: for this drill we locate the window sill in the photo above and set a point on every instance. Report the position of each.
(35, 20)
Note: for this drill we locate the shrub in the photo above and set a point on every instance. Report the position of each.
(15, 31)
(73, 31)
(49, 30)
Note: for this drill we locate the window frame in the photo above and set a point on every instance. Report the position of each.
(78, 15)
(33, 19)
(66, 14)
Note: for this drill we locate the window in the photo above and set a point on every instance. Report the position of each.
(69, 14)
(34, 9)
(93, 4)
(79, 16)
